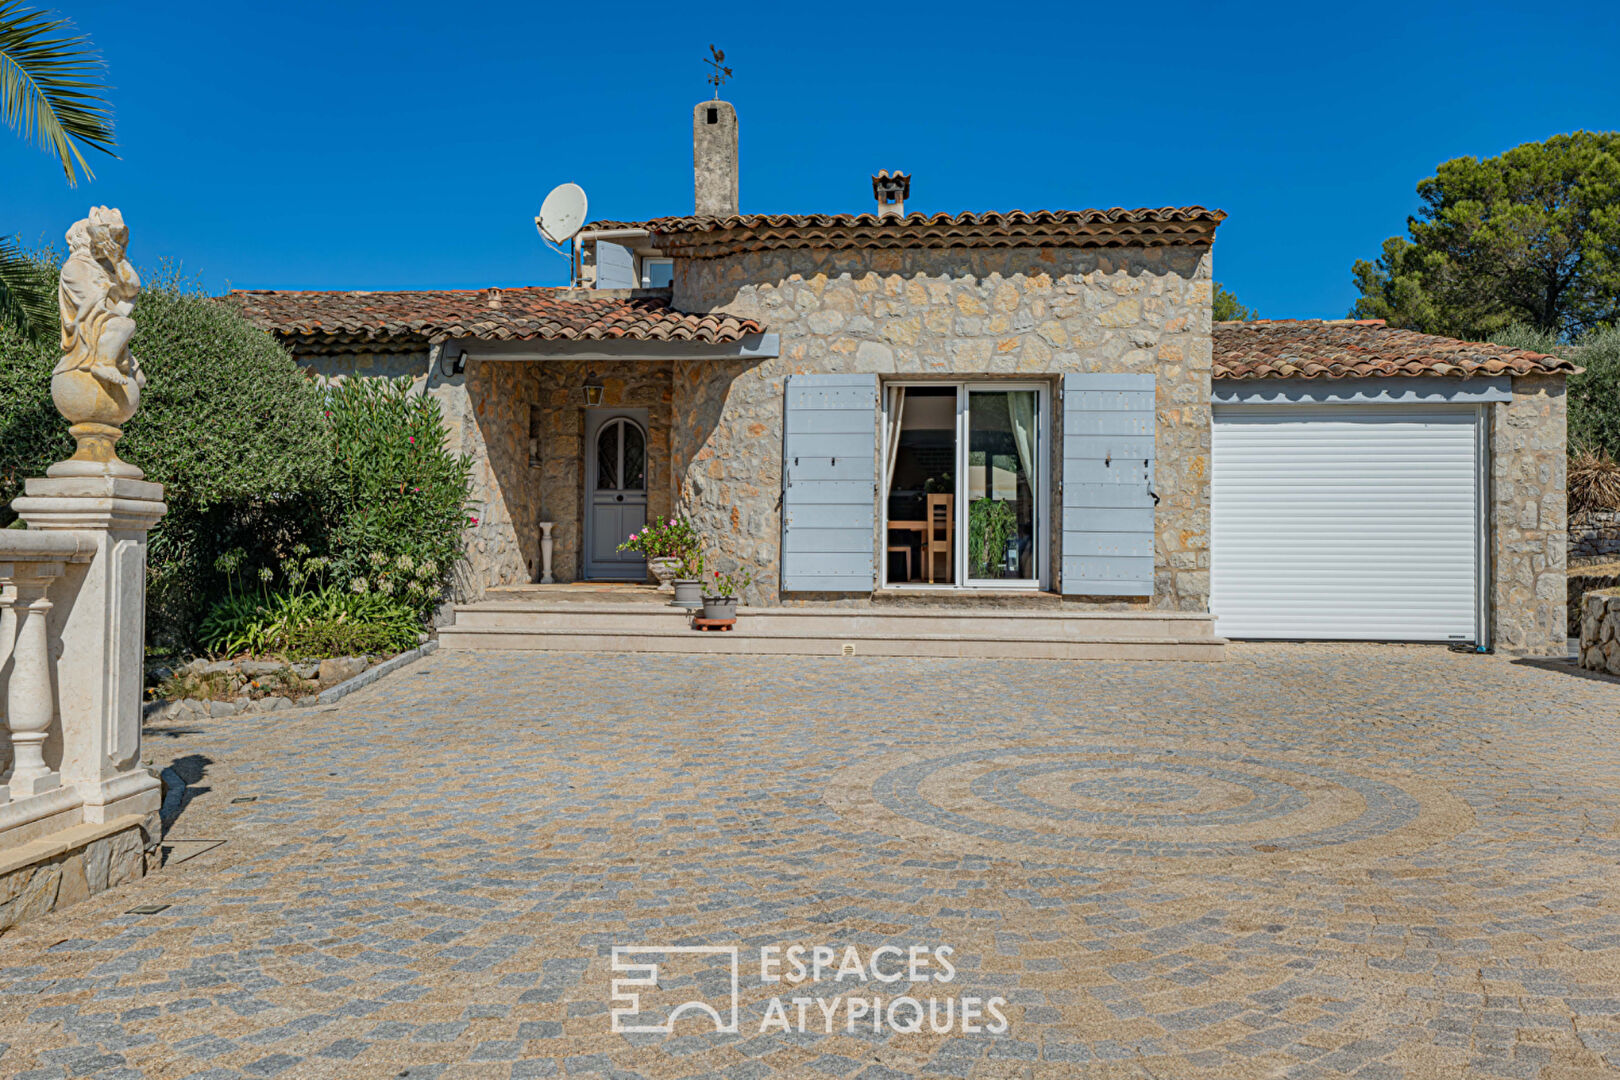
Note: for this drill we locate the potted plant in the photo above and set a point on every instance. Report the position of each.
(665, 543)
(689, 581)
(720, 602)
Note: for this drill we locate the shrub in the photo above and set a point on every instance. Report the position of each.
(307, 617)
(228, 425)
(399, 498)
(1593, 395)
(330, 621)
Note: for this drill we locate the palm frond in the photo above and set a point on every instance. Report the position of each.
(51, 81)
(27, 298)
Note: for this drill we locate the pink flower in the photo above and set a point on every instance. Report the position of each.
(472, 521)
(410, 438)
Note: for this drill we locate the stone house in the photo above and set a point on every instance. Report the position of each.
(892, 410)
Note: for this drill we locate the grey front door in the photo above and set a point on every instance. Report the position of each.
(615, 491)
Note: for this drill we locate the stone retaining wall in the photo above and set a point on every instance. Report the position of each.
(1600, 631)
(71, 865)
(1594, 535)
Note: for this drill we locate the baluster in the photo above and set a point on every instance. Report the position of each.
(8, 638)
(31, 702)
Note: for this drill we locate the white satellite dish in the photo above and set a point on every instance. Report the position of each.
(562, 213)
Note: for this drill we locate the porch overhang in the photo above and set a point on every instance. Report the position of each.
(750, 347)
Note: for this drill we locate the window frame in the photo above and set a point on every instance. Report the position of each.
(645, 261)
(1043, 489)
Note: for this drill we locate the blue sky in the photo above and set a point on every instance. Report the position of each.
(400, 145)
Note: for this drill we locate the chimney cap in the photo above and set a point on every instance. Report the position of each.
(896, 182)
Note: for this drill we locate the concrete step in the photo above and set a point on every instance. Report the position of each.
(988, 633)
(957, 646)
(986, 622)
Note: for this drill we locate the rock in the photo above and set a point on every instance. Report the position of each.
(276, 703)
(158, 675)
(255, 669)
(341, 668)
(223, 708)
(310, 670)
(209, 667)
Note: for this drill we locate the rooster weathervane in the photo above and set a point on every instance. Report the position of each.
(720, 73)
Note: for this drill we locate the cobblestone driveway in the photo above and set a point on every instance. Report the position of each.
(1308, 861)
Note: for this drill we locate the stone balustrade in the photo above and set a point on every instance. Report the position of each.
(78, 810)
(29, 562)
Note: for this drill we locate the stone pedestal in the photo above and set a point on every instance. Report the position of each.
(545, 553)
(98, 616)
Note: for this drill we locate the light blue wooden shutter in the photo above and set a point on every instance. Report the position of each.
(615, 266)
(829, 483)
(1108, 427)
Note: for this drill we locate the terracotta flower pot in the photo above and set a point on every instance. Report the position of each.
(719, 607)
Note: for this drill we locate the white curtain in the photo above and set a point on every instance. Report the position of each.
(1021, 407)
(897, 407)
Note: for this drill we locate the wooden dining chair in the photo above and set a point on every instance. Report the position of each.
(905, 547)
(939, 538)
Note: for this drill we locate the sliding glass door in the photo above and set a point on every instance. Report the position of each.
(965, 485)
(1002, 480)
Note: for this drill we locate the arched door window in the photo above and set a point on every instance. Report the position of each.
(621, 456)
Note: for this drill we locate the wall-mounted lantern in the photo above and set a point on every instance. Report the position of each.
(593, 394)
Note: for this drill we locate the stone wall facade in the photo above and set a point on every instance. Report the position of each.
(1031, 314)
(1528, 519)
(504, 547)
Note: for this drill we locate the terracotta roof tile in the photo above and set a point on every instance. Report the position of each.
(1360, 348)
(706, 237)
(416, 318)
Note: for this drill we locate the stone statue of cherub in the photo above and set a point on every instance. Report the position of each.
(97, 384)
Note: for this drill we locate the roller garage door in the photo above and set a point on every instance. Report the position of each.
(1345, 521)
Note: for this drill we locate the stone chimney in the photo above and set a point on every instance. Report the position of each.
(891, 190)
(714, 158)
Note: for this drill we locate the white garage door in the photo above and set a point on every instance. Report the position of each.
(1344, 521)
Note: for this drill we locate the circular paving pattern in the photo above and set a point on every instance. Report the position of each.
(1155, 801)
(1138, 789)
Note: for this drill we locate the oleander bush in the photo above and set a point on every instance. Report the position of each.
(398, 498)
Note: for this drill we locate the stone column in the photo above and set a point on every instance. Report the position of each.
(99, 616)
